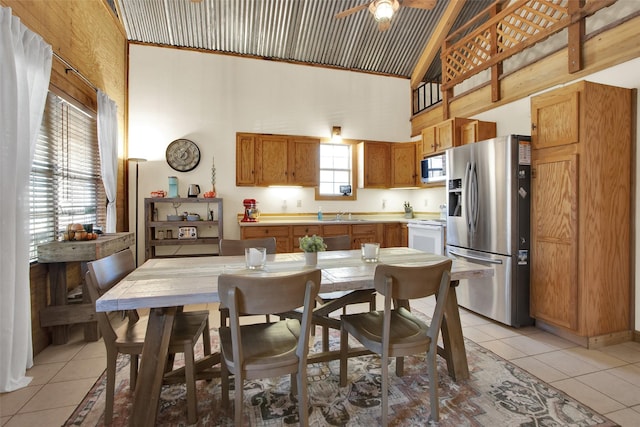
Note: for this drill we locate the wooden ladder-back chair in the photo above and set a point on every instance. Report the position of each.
(342, 243)
(266, 350)
(227, 247)
(396, 332)
(188, 327)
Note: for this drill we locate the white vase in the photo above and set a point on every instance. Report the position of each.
(311, 258)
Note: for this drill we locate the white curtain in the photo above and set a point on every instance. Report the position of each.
(108, 141)
(25, 68)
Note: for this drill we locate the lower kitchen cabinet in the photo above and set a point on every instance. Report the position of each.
(287, 235)
(280, 232)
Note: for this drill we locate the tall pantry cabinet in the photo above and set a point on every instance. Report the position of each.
(581, 212)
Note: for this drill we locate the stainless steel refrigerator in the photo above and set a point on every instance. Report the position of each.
(488, 190)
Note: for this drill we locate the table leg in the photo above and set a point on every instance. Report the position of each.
(58, 294)
(152, 364)
(454, 350)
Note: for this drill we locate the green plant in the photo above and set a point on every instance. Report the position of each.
(312, 244)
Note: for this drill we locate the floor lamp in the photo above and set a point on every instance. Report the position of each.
(137, 161)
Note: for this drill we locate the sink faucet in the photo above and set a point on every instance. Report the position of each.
(339, 215)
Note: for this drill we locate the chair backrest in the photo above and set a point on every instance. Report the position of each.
(101, 276)
(405, 283)
(410, 282)
(272, 294)
(237, 247)
(338, 243)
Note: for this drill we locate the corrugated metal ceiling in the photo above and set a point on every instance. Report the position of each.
(301, 31)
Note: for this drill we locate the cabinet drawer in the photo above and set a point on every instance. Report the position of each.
(255, 232)
(301, 230)
(335, 229)
(364, 229)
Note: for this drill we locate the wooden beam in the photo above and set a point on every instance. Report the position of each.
(435, 41)
(575, 37)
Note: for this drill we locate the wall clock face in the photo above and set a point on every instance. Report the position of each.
(183, 155)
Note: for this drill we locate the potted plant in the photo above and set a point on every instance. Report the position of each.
(311, 246)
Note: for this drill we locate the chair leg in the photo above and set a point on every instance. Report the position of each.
(293, 380)
(399, 366)
(384, 369)
(433, 385)
(206, 339)
(190, 378)
(325, 338)
(303, 408)
(111, 385)
(224, 382)
(344, 349)
(239, 383)
(133, 371)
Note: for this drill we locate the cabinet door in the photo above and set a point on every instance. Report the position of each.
(469, 133)
(365, 233)
(392, 235)
(429, 141)
(445, 135)
(375, 164)
(245, 159)
(272, 160)
(403, 165)
(304, 161)
(555, 119)
(554, 239)
(301, 231)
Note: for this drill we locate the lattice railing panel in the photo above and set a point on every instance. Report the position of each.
(519, 25)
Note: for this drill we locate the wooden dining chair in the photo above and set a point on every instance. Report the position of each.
(188, 327)
(266, 350)
(396, 332)
(342, 243)
(228, 247)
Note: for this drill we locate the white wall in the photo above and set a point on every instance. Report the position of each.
(208, 98)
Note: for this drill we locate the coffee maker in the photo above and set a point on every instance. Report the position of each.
(251, 212)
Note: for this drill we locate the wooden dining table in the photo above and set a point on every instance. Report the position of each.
(164, 285)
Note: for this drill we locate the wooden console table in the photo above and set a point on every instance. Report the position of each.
(58, 315)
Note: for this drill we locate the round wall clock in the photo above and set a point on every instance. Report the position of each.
(183, 155)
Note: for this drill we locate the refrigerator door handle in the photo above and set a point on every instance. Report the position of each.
(476, 258)
(473, 190)
(467, 196)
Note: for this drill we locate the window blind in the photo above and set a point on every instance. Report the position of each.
(65, 184)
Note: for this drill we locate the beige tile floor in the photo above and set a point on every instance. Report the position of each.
(607, 380)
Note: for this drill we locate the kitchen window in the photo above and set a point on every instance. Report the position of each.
(65, 184)
(336, 169)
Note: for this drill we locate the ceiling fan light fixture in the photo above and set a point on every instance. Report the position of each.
(383, 10)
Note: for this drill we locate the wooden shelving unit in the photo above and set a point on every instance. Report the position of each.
(209, 231)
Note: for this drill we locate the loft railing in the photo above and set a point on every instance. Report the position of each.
(519, 25)
(426, 95)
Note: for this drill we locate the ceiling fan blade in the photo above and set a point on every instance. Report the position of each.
(352, 10)
(419, 4)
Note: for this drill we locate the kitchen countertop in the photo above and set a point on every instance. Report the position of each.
(329, 218)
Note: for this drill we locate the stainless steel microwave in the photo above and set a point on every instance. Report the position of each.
(433, 169)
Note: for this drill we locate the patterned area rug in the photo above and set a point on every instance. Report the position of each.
(497, 394)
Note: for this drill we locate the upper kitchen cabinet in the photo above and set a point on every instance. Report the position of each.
(265, 160)
(245, 159)
(374, 164)
(581, 212)
(403, 165)
(446, 134)
(477, 130)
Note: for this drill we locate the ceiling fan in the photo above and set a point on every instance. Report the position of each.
(383, 10)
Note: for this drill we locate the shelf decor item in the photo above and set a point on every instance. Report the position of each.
(408, 210)
(311, 246)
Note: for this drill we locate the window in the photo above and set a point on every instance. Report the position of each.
(65, 185)
(336, 169)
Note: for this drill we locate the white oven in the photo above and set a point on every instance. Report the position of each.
(427, 235)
